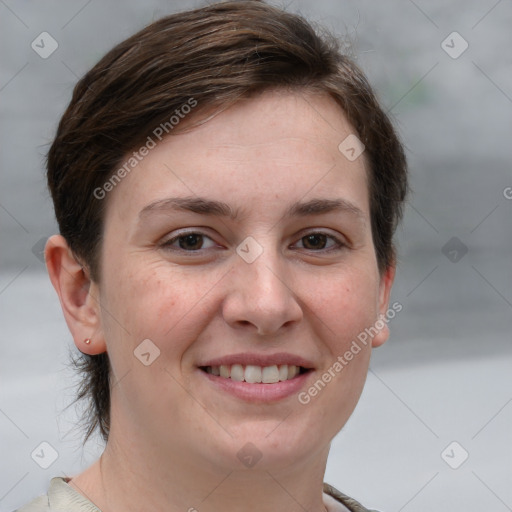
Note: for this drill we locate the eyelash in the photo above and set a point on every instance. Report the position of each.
(167, 245)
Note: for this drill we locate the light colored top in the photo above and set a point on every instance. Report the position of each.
(61, 497)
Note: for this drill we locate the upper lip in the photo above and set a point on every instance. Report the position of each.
(249, 358)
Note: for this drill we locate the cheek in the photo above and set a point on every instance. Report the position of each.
(346, 301)
(345, 307)
(165, 305)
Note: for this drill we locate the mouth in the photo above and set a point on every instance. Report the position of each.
(251, 383)
(253, 374)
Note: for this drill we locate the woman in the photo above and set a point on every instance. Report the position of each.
(227, 189)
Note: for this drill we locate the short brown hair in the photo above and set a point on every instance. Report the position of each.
(216, 55)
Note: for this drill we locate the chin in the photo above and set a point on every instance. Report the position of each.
(270, 445)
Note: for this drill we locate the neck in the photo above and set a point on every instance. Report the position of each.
(137, 476)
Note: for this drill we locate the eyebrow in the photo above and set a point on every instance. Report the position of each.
(212, 207)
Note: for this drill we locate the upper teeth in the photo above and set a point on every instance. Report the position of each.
(254, 374)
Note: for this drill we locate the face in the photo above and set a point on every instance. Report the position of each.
(242, 251)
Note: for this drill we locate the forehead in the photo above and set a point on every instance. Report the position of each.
(278, 144)
(276, 116)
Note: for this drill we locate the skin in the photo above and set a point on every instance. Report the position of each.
(175, 437)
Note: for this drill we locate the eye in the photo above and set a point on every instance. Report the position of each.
(318, 241)
(195, 241)
(188, 242)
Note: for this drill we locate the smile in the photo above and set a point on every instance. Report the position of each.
(257, 384)
(256, 374)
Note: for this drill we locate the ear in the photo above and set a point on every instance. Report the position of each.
(386, 282)
(78, 295)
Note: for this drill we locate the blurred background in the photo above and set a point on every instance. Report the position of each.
(433, 427)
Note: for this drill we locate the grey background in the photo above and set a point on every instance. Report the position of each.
(445, 374)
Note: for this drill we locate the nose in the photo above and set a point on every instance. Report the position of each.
(261, 296)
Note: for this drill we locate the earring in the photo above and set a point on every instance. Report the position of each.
(87, 341)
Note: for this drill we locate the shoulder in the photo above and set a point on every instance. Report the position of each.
(40, 504)
(350, 503)
(61, 496)
(58, 485)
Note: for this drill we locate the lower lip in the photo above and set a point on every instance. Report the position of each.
(259, 393)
